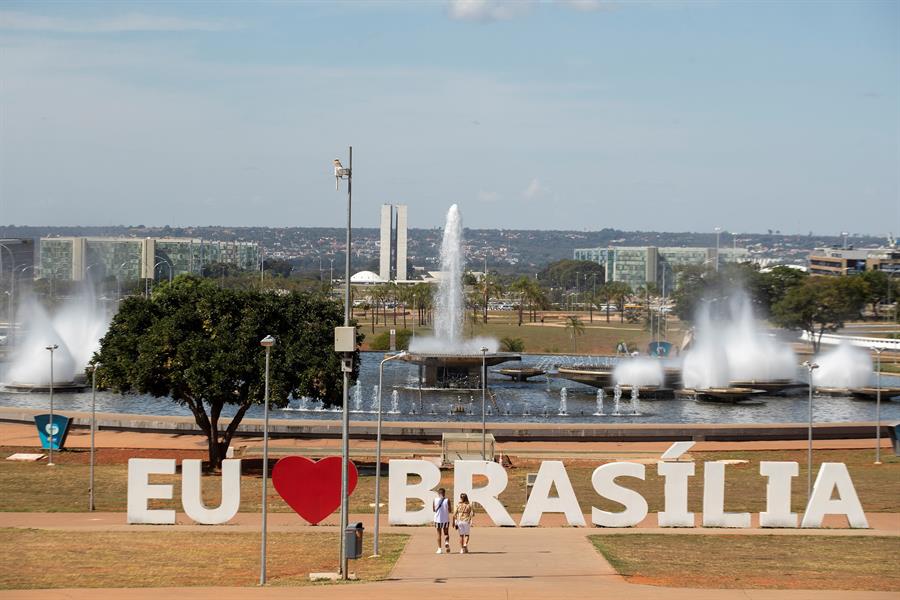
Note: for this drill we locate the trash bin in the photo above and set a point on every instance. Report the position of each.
(54, 433)
(353, 541)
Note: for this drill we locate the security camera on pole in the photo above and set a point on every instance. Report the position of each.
(345, 343)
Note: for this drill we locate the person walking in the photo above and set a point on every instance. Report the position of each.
(462, 522)
(441, 506)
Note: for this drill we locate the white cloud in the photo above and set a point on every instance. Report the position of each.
(534, 189)
(487, 10)
(20, 21)
(586, 5)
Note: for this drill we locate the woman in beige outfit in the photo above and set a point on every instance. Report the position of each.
(462, 521)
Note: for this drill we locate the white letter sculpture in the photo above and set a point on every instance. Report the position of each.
(831, 476)
(604, 484)
(676, 494)
(192, 500)
(778, 494)
(714, 514)
(551, 472)
(486, 495)
(140, 490)
(399, 491)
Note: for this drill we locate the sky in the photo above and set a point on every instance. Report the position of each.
(674, 116)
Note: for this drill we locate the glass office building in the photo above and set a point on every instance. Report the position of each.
(639, 265)
(78, 258)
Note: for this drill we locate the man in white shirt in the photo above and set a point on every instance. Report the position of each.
(441, 507)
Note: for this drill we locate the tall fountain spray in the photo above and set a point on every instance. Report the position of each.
(76, 326)
(449, 304)
(731, 349)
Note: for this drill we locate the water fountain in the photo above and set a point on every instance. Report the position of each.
(448, 358)
(76, 327)
(373, 407)
(617, 397)
(357, 398)
(732, 359)
(599, 412)
(635, 399)
(395, 403)
(563, 396)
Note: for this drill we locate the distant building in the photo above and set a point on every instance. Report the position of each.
(392, 259)
(844, 261)
(639, 265)
(16, 256)
(78, 258)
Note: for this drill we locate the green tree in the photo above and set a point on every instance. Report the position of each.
(567, 273)
(489, 287)
(575, 326)
(820, 305)
(511, 344)
(618, 291)
(199, 345)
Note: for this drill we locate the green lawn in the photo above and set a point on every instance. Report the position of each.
(178, 558)
(755, 561)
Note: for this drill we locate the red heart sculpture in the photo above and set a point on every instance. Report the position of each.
(311, 488)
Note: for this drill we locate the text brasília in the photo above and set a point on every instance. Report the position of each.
(833, 494)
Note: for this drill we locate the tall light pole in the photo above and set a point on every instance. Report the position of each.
(718, 231)
(347, 365)
(51, 348)
(267, 343)
(93, 429)
(878, 352)
(378, 445)
(810, 366)
(483, 396)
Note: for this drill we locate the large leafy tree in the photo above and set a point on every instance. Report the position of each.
(199, 345)
(820, 304)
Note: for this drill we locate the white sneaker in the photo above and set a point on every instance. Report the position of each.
(439, 551)
(461, 551)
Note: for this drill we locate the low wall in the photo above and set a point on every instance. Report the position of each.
(503, 432)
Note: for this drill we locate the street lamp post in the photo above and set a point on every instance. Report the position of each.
(878, 352)
(810, 366)
(51, 432)
(378, 445)
(483, 396)
(341, 173)
(267, 343)
(718, 233)
(93, 429)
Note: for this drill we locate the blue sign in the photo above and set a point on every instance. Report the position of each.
(659, 348)
(54, 433)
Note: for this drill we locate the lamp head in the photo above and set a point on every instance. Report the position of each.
(267, 342)
(484, 349)
(52, 347)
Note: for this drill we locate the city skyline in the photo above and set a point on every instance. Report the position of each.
(652, 116)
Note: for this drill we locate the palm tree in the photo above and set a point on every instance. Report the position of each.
(575, 325)
(520, 287)
(490, 288)
(537, 298)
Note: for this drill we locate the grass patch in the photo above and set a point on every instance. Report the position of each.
(755, 561)
(35, 487)
(48, 559)
(599, 336)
